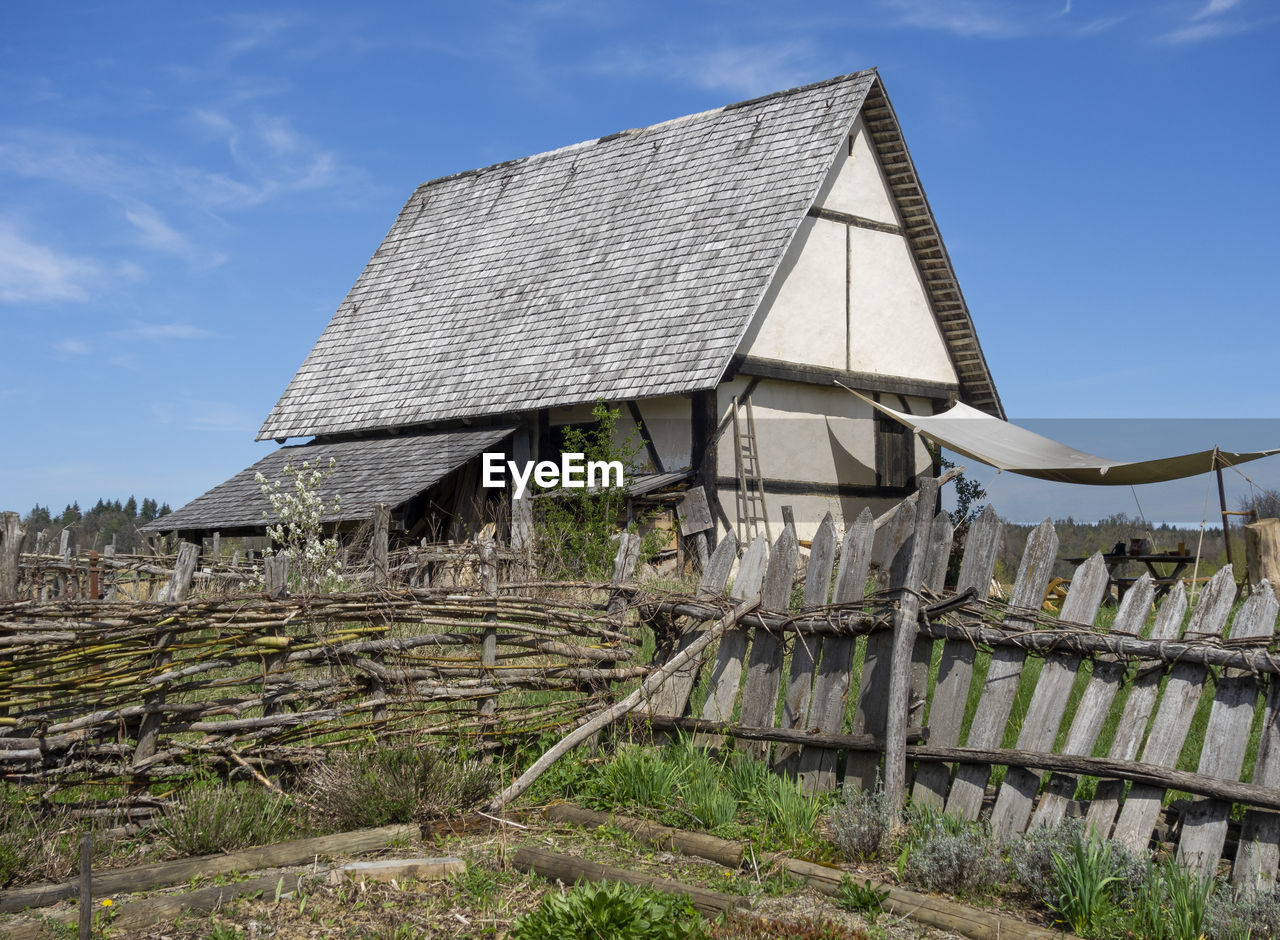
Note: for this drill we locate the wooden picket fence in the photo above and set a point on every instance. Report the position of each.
(910, 627)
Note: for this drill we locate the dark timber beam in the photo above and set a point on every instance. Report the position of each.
(822, 375)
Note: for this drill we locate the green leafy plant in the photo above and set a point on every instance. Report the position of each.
(223, 817)
(1188, 899)
(1082, 875)
(610, 910)
(576, 527)
(709, 802)
(789, 812)
(640, 776)
(395, 785)
(863, 899)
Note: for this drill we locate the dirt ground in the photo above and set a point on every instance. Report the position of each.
(490, 895)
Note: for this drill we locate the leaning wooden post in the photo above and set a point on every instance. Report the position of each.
(524, 536)
(11, 532)
(489, 645)
(175, 591)
(624, 566)
(379, 543)
(905, 627)
(608, 716)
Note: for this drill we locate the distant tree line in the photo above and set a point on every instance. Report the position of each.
(95, 529)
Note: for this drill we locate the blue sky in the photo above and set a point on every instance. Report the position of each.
(187, 191)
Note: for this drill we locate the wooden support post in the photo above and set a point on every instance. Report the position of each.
(86, 886)
(380, 542)
(11, 532)
(523, 535)
(217, 547)
(624, 566)
(93, 576)
(489, 644)
(64, 546)
(1222, 502)
(275, 575)
(905, 626)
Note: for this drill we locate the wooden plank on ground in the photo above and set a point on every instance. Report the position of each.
(727, 672)
(1258, 853)
(764, 669)
(1204, 825)
(1177, 707)
(1049, 701)
(831, 683)
(955, 668)
(807, 650)
(672, 697)
(862, 769)
(1095, 704)
(987, 730)
(1143, 691)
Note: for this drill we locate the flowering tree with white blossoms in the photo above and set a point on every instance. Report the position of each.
(296, 535)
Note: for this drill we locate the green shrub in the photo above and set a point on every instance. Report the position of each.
(1251, 915)
(223, 817)
(950, 856)
(641, 776)
(862, 823)
(395, 785)
(610, 910)
(790, 814)
(746, 776)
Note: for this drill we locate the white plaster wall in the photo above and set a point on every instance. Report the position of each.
(666, 423)
(809, 433)
(803, 316)
(856, 184)
(892, 330)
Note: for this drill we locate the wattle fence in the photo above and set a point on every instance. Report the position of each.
(862, 665)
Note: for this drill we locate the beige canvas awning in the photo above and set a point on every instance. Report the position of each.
(1006, 446)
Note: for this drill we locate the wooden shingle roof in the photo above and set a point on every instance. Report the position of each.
(624, 267)
(366, 472)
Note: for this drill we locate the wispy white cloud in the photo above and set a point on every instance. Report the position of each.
(1215, 8)
(742, 69)
(154, 230)
(1216, 19)
(71, 347)
(31, 272)
(204, 415)
(253, 31)
(137, 329)
(983, 19)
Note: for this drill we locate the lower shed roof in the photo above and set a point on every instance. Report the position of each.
(366, 472)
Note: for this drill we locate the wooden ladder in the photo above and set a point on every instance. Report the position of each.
(751, 508)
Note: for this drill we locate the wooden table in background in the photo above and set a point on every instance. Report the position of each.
(1116, 562)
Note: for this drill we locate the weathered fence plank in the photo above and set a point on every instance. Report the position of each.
(10, 547)
(807, 650)
(955, 668)
(1173, 717)
(1095, 703)
(831, 684)
(862, 769)
(673, 695)
(727, 672)
(1258, 854)
(987, 730)
(1048, 701)
(1204, 825)
(764, 669)
(932, 581)
(1143, 691)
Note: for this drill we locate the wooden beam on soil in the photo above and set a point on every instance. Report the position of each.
(568, 868)
(722, 851)
(166, 874)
